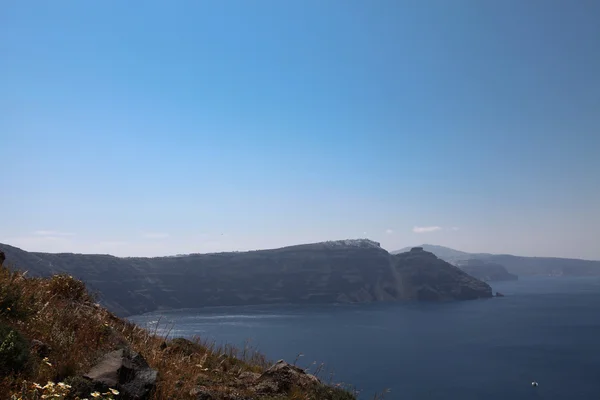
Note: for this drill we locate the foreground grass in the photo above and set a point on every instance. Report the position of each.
(52, 331)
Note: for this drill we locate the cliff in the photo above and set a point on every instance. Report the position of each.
(426, 277)
(487, 271)
(327, 272)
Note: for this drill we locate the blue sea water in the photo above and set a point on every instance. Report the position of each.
(545, 330)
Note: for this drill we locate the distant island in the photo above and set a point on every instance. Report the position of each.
(517, 265)
(341, 271)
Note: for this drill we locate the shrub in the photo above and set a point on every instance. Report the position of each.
(14, 350)
(66, 287)
(12, 302)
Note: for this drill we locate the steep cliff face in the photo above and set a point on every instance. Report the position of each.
(327, 272)
(426, 277)
(486, 271)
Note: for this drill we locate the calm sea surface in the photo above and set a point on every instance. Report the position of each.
(545, 330)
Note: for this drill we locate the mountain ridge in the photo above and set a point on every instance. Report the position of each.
(324, 272)
(519, 265)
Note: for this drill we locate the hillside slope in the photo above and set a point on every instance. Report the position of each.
(52, 333)
(328, 272)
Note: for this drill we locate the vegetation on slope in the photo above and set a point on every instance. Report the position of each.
(52, 330)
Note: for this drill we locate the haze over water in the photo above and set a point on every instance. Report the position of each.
(544, 330)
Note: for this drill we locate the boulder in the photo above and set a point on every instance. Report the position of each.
(281, 377)
(126, 371)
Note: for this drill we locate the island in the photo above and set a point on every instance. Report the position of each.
(340, 271)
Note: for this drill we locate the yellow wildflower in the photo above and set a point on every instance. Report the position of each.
(114, 391)
(96, 394)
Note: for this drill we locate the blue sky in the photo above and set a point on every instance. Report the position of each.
(155, 128)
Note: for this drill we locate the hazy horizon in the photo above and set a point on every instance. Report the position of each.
(147, 128)
(128, 255)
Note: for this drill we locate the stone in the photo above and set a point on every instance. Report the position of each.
(281, 377)
(248, 377)
(126, 371)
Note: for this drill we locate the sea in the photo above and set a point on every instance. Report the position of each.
(545, 330)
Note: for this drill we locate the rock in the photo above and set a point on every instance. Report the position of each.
(498, 294)
(126, 371)
(2, 258)
(40, 348)
(281, 377)
(248, 377)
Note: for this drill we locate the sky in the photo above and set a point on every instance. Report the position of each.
(157, 128)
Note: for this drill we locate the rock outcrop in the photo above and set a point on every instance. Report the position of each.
(126, 371)
(282, 377)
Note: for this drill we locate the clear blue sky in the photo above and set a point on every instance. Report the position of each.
(155, 127)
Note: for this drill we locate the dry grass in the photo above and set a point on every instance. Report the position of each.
(59, 312)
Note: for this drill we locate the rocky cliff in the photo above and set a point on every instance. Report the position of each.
(327, 272)
(426, 277)
(487, 271)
